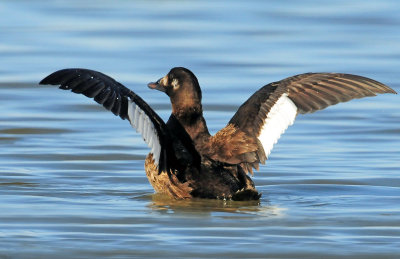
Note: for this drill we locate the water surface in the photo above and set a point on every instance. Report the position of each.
(72, 183)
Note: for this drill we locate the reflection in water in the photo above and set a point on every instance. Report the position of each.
(206, 207)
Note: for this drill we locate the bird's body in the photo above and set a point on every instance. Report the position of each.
(185, 160)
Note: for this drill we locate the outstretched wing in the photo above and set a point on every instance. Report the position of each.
(122, 102)
(266, 115)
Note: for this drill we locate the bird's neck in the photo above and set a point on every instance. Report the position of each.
(194, 123)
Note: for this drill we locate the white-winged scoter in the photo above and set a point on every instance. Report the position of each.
(185, 161)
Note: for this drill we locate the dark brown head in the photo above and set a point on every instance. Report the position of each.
(181, 85)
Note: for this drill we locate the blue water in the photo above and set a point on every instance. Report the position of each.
(72, 183)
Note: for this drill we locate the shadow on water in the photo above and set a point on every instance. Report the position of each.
(205, 207)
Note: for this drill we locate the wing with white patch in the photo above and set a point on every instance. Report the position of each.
(272, 109)
(143, 125)
(122, 102)
(279, 118)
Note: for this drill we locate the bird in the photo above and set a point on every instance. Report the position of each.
(185, 161)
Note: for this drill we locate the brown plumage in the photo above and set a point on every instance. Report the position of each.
(185, 160)
(229, 145)
(165, 183)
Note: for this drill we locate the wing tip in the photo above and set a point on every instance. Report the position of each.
(390, 90)
(55, 77)
(48, 80)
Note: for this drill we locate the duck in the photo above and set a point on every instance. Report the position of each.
(185, 161)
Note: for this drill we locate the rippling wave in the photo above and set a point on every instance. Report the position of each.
(72, 181)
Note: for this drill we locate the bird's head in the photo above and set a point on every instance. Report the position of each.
(181, 85)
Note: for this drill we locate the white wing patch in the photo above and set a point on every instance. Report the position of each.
(143, 125)
(279, 118)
